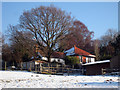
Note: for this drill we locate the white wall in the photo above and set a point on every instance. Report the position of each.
(86, 59)
(58, 60)
(92, 59)
(54, 59)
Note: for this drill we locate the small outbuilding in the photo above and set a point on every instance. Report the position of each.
(95, 68)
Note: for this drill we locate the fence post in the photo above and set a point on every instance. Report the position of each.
(102, 71)
(5, 66)
(21, 65)
(26, 65)
(35, 68)
(57, 68)
(68, 71)
(40, 67)
(48, 67)
(30, 67)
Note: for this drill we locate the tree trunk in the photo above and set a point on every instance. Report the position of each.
(49, 63)
(49, 56)
(49, 59)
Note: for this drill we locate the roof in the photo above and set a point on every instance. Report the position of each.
(58, 55)
(39, 61)
(97, 62)
(78, 51)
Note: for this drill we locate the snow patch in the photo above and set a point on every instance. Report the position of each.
(70, 51)
(20, 79)
(96, 62)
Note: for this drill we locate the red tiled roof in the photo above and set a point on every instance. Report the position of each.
(80, 51)
(39, 61)
(58, 55)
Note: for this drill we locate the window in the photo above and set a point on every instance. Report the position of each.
(89, 59)
(80, 57)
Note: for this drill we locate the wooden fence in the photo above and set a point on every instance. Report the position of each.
(56, 69)
(46, 68)
(110, 71)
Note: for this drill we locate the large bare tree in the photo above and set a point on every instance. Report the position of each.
(48, 24)
(78, 35)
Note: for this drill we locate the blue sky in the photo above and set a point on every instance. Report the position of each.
(97, 16)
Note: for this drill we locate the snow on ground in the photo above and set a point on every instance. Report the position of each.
(22, 79)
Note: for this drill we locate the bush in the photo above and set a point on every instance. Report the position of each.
(71, 60)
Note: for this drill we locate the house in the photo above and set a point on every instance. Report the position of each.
(83, 56)
(40, 59)
(95, 68)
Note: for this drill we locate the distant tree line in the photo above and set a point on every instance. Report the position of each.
(108, 45)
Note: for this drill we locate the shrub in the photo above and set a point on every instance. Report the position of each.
(71, 60)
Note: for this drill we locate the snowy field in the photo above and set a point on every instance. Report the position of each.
(18, 79)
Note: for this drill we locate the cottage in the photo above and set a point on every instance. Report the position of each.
(37, 62)
(83, 56)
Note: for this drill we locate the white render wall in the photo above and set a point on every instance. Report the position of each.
(57, 60)
(54, 59)
(92, 59)
(86, 59)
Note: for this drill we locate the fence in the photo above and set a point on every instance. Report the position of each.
(110, 71)
(45, 68)
(56, 69)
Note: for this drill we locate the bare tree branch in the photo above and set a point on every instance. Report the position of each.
(49, 24)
